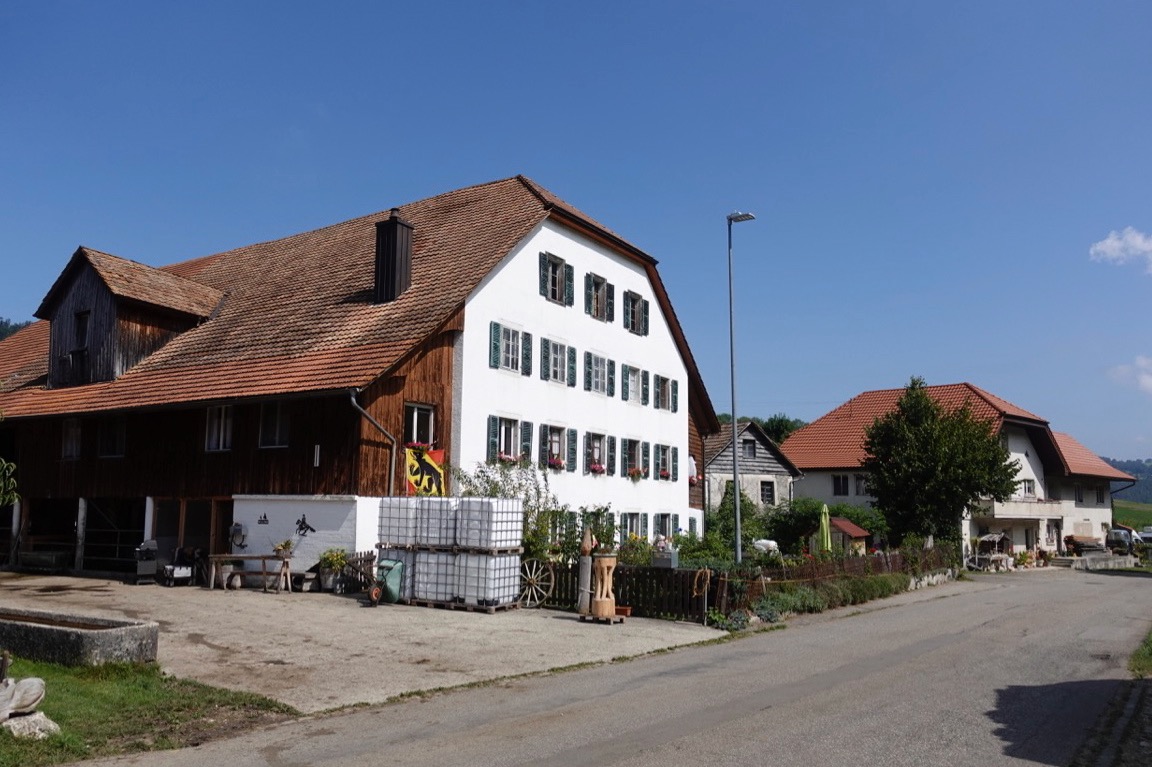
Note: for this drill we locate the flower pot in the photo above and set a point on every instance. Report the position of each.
(624, 611)
(327, 580)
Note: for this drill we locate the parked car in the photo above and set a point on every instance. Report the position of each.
(1119, 541)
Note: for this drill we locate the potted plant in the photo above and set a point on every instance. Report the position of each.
(283, 549)
(635, 474)
(332, 563)
(555, 463)
(596, 469)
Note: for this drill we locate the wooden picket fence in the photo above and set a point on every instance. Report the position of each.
(686, 594)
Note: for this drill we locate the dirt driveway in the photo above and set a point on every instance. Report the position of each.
(318, 651)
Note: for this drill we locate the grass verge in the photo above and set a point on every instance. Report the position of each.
(126, 708)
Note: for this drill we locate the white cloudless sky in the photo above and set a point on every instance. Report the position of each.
(958, 191)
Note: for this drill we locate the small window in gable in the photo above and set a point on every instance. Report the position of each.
(273, 425)
(556, 278)
(635, 313)
(599, 298)
(747, 448)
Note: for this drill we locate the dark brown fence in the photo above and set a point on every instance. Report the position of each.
(682, 594)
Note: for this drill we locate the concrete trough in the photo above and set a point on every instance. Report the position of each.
(76, 640)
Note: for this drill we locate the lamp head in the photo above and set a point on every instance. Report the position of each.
(736, 217)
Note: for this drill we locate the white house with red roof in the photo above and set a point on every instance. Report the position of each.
(1062, 488)
(278, 383)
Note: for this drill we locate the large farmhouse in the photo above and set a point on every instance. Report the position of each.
(1062, 488)
(281, 381)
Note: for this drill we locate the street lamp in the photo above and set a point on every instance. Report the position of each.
(734, 217)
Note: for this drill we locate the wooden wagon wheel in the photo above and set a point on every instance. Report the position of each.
(536, 582)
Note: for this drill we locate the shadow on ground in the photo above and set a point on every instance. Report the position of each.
(1046, 724)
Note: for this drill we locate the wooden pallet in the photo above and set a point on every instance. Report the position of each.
(594, 619)
(490, 609)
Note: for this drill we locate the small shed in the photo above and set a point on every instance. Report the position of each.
(847, 536)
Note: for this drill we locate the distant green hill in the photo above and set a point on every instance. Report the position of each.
(1141, 492)
(8, 327)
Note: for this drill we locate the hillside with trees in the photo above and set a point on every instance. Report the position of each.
(777, 427)
(1141, 492)
(8, 327)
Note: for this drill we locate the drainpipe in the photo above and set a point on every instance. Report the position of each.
(392, 460)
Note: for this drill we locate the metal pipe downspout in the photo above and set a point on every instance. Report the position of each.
(392, 460)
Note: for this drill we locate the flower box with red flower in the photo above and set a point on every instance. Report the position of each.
(556, 463)
(665, 474)
(597, 469)
(636, 474)
(507, 459)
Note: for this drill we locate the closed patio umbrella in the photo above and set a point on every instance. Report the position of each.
(825, 530)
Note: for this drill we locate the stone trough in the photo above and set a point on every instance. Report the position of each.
(74, 640)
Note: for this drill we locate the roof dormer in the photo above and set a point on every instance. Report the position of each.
(108, 313)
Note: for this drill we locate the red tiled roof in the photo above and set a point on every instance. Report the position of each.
(836, 440)
(298, 314)
(849, 528)
(1081, 460)
(138, 282)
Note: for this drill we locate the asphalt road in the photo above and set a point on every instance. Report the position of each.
(1004, 670)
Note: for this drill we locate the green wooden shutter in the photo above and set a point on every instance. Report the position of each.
(627, 310)
(610, 463)
(611, 314)
(644, 525)
(544, 274)
(545, 359)
(542, 451)
(675, 395)
(625, 457)
(525, 439)
(494, 338)
(656, 393)
(644, 317)
(646, 457)
(587, 452)
(587, 292)
(571, 366)
(493, 437)
(587, 371)
(643, 387)
(675, 464)
(611, 378)
(675, 524)
(526, 354)
(624, 382)
(692, 525)
(571, 450)
(569, 285)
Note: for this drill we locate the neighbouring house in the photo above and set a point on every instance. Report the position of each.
(766, 474)
(1062, 488)
(274, 387)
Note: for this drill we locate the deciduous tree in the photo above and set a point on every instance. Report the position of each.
(926, 465)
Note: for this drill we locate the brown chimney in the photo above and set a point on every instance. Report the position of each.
(393, 257)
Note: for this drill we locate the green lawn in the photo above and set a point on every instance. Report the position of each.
(119, 709)
(1135, 515)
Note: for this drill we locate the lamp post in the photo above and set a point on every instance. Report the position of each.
(734, 217)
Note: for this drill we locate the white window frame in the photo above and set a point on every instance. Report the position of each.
(663, 461)
(273, 425)
(747, 448)
(557, 362)
(509, 348)
(414, 414)
(630, 524)
(597, 450)
(1028, 488)
(218, 430)
(662, 525)
(634, 383)
(508, 439)
(556, 447)
(861, 481)
(599, 374)
(770, 485)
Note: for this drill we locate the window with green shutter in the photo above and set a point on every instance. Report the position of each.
(675, 464)
(644, 387)
(571, 450)
(556, 279)
(610, 463)
(645, 456)
(675, 396)
(571, 366)
(525, 440)
(598, 297)
(635, 313)
(526, 354)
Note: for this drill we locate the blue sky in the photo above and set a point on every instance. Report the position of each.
(958, 191)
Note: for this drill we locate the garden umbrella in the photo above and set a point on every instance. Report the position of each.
(825, 530)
